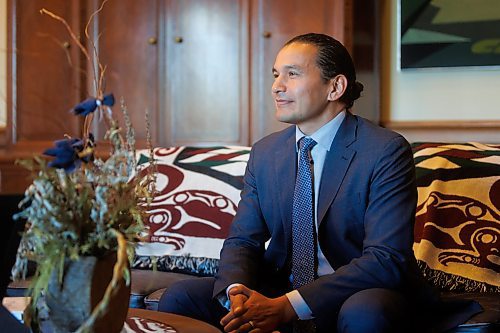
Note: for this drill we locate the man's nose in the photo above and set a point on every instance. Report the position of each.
(278, 86)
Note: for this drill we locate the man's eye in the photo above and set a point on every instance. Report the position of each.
(275, 75)
(292, 74)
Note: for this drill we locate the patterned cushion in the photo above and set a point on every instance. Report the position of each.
(457, 230)
(198, 193)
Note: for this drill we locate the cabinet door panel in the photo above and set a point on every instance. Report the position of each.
(45, 71)
(207, 71)
(274, 23)
(128, 47)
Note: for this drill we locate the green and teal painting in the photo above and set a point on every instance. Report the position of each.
(450, 33)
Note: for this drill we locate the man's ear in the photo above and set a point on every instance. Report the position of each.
(338, 86)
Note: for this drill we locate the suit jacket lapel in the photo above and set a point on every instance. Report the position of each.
(285, 182)
(337, 162)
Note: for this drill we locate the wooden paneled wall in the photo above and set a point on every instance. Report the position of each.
(201, 68)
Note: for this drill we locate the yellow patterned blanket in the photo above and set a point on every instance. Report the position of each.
(457, 230)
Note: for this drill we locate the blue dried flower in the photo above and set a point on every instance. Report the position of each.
(69, 154)
(89, 105)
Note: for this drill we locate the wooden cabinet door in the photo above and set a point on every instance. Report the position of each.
(44, 72)
(207, 72)
(43, 84)
(128, 45)
(273, 23)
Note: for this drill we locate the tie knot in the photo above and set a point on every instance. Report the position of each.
(306, 144)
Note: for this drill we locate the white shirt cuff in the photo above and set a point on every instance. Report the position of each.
(299, 305)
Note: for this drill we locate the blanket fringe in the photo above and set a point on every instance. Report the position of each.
(186, 264)
(450, 282)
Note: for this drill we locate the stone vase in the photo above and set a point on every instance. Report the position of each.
(83, 286)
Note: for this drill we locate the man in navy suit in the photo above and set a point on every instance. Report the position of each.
(364, 198)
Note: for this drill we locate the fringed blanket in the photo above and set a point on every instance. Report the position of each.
(457, 231)
(198, 193)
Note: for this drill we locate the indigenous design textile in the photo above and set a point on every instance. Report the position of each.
(457, 227)
(198, 190)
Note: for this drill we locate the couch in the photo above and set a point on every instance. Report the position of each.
(457, 228)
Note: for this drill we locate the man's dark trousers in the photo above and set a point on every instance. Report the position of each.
(371, 310)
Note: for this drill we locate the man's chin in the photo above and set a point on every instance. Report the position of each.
(285, 118)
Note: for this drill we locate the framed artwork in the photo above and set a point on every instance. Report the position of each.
(449, 33)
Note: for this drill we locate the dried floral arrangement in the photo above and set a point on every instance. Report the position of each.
(80, 204)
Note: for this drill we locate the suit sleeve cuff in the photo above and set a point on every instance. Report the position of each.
(299, 305)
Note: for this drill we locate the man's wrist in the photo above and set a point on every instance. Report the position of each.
(288, 311)
(224, 298)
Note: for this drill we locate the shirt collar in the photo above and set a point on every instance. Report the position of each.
(325, 135)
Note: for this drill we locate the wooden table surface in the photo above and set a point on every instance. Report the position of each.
(180, 324)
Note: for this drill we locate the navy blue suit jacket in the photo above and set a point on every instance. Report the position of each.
(366, 211)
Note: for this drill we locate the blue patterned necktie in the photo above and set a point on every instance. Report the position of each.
(303, 228)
